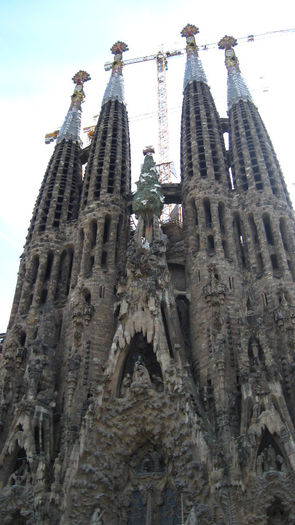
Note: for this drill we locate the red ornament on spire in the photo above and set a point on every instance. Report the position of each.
(227, 42)
(81, 77)
(119, 47)
(189, 30)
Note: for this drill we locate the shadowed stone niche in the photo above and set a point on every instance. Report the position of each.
(276, 514)
(149, 497)
(269, 456)
(141, 369)
(147, 461)
(16, 470)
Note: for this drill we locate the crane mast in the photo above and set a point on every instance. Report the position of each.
(163, 129)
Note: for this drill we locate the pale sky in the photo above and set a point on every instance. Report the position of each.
(43, 44)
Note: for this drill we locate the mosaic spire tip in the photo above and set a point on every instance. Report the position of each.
(227, 43)
(115, 88)
(70, 129)
(236, 86)
(193, 69)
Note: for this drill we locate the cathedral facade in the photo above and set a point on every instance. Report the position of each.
(147, 374)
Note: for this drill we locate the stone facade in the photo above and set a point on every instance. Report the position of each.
(147, 374)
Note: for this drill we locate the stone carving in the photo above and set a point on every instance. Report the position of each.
(268, 460)
(126, 383)
(214, 288)
(141, 377)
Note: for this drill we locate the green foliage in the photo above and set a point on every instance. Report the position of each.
(148, 199)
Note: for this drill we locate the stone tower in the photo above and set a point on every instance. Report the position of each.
(147, 373)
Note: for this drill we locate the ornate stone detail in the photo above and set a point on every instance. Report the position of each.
(214, 288)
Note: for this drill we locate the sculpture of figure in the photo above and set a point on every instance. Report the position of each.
(260, 464)
(255, 351)
(141, 375)
(270, 459)
(281, 463)
(258, 408)
(125, 384)
(158, 382)
(21, 475)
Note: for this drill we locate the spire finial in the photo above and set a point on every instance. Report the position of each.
(118, 49)
(231, 61)
(193, 68)
(115, 88)
(236, 86)
(188, 32)
(70, 129)
(78, 96)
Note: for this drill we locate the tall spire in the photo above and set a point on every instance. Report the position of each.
(193, 68)
(70, 129)
(115, 87)
(236, 85)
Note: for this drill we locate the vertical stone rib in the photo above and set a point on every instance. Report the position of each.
(255, 164)
(59, 195)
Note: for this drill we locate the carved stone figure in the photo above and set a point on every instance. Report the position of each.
(140, 375)
(126, 383)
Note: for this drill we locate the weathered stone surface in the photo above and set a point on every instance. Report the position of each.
(152, 380)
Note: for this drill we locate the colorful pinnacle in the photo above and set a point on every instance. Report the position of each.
(188, 32)
(193, 68)
(70, 129)
(115, 88)
(78, 96)
(118, 49)
(236, 86)
(227, 43)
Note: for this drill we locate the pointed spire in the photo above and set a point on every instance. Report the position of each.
(115, 87)
(193, 68)
(70, 129)
(236, 85)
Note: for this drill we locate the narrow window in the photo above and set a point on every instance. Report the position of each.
(265, 299)
(211, 246)
(48, 266)
(208, 216)
(253, 229)
(166, 328)
(35, 267)
(87, 295)
(194, 213)
(104, 257)
(117, 246)
(239, 239)
(260, 265)
(93, 233)
(284, 235)
(221, 218)
(268, 229)
(106, 229)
